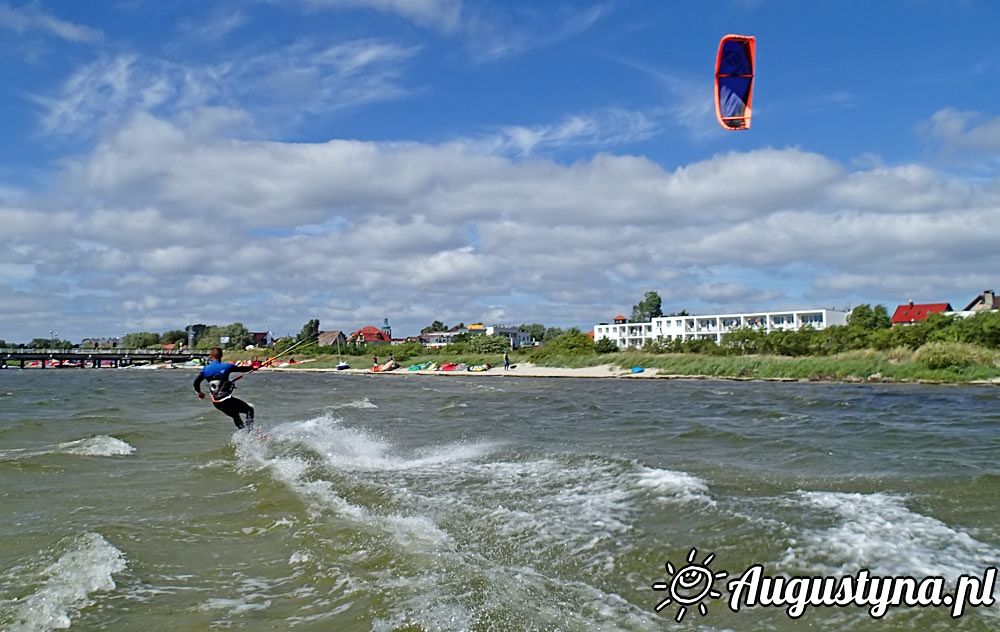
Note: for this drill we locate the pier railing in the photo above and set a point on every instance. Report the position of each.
(115, 351)
(96, 358)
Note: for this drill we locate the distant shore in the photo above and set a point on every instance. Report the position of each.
(610, 371)
(945, 363)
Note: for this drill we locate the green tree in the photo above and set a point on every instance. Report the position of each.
(282, 344)
(605, 345)
(651, 306)
(570, 342)
(867, 318)
(198, 331)
(309, 330)
(743, 341)
(239, 335)
(701, 345)
(437, 325)
(489, 344)
(211, 336)
(552, 333)
(140, 340)
(174, 336)
(535, 330)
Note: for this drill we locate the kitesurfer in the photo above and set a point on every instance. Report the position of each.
(221, 389)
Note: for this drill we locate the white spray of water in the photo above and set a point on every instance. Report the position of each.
(68, 584)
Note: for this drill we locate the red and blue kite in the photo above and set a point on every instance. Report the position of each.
(734, 69)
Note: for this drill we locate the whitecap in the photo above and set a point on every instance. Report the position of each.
(101, 445)
(878, 532)
(673, 485)
(362, 404)
(349, 449)
(67, 585)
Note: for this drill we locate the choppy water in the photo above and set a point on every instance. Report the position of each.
(426, 503)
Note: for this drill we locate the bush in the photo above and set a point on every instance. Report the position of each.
(489, 344)
(951, 355)
(605, 345)
(572, 343)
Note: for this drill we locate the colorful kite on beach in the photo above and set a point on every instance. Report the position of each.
(734, 70)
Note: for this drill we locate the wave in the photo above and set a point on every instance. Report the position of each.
(348, 449)
(877, 531)
(521, 524)
(101, 445)
(87, 566)
(673, 485)
(363, 404)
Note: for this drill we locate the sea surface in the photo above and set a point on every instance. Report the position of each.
(479, 503)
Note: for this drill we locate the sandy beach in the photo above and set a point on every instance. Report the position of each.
(520, 370)
(606, 371)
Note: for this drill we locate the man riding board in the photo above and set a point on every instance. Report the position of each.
(221, 388)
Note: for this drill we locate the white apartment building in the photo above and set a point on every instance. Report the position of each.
(713, 327)
(516, 337)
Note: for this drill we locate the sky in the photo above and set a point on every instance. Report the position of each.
(271, 161)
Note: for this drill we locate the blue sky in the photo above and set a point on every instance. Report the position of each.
(465, 160)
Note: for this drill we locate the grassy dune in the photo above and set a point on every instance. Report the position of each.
(895, 365)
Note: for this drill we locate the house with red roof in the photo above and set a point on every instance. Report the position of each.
(369, 334)
(917, 312)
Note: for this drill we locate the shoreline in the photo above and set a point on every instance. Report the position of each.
(609, 371)
(605, 371)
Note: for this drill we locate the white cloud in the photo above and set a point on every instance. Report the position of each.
(491, 30)
(494, 34)
(307, 78)
(729, 293)
(31, 18)
(353, 231)
(440, 14)
(217, 26)
(958, 129)
(604, 128)
(17, 271)
(206, 285)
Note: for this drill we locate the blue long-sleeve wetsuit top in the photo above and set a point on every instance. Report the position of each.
(217, 374)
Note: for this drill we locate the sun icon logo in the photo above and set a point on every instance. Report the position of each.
(690, 585)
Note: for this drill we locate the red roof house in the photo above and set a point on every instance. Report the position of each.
(371, 335)
(917, 312)
(620, 319)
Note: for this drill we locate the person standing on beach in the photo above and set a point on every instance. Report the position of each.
(221, 388)
(506, 359)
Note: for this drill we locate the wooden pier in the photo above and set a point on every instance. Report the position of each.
(93, 358)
